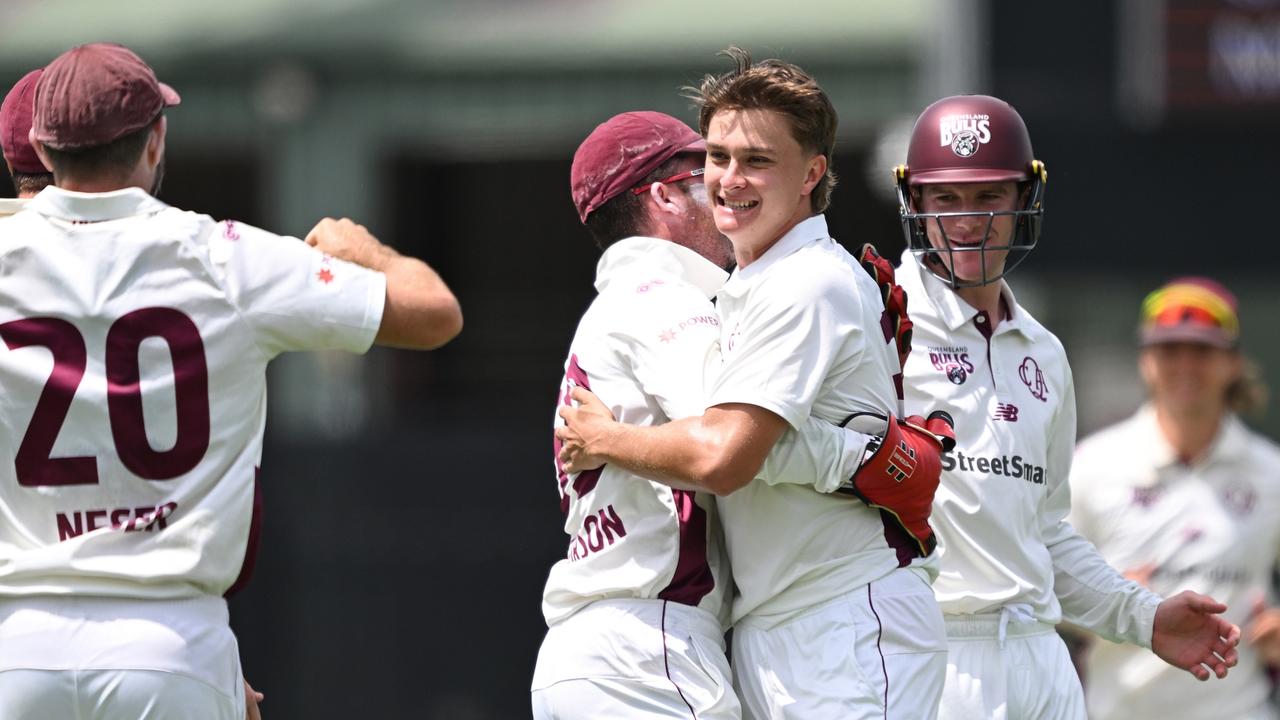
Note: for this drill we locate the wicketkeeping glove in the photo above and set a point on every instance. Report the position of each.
(895, 322)
(901, 476)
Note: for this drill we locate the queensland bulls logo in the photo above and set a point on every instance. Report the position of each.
(965, 144)
(966, 134)
(952, 362)
(1031, 376)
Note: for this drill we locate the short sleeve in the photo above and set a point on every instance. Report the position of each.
(785, 343)
(294, 296)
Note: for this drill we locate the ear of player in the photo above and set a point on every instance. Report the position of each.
(902, 474)
(895, 321)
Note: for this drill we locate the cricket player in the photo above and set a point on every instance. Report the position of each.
(972, 199)
(636, 609)
(29, 175)
(135, 341)
(1184, 496)
(831, 618)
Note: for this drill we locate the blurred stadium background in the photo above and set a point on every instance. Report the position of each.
(411, 514)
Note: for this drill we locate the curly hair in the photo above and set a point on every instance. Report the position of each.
(1249, 394)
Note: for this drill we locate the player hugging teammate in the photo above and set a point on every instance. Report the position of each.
(833, 612)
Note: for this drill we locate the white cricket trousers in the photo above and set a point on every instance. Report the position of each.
(1024, 673)
(877, 652)
(624, 659)
(85, 658)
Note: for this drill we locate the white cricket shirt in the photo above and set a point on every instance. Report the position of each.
(1209, 527)
(802, 336)
(1000, 512)
(134, 338)
(646, 347)
(10, 206)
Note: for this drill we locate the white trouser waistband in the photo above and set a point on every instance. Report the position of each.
(656, 613)
(188, 636)
(1013, 620)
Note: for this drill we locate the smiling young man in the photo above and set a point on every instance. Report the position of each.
(971, 199)
(635, 608)
(833, 617)
(1183, 495)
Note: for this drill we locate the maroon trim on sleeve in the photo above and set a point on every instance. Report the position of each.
(586, 480)
(692, 579)
(255, 536)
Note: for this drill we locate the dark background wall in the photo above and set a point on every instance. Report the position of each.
(402, 566)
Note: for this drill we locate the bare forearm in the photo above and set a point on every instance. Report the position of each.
(679, 453)
(420, 312)
(718, 452)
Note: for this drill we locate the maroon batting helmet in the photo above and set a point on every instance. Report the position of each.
(971, 139)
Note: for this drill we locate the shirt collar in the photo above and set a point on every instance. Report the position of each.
(11, 206)
(1161, 453)
(952, 309)
(94, 207)
(805, 232)
(1231, 441)
(647, 254)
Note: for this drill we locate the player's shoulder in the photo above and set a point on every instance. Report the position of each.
(648, 287)
(9, 221)
(643, 305)
(235, 231)
(820, 269)
(1035, 330)
(1264, 451)
(232, 242)
(13, 225)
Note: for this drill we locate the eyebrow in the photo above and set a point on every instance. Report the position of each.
(751, 149)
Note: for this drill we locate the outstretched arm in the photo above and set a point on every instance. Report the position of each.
(1187, 630)
(421, 312)
(1190, 633)
(717, 452)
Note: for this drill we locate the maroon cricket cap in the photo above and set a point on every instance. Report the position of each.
(15, 124)
(622, 151)
(96, 93)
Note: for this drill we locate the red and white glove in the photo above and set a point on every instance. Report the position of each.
(902, 474)
(895, 322)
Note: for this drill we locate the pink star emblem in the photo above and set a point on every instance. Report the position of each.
(667, 336)
(325, 276)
